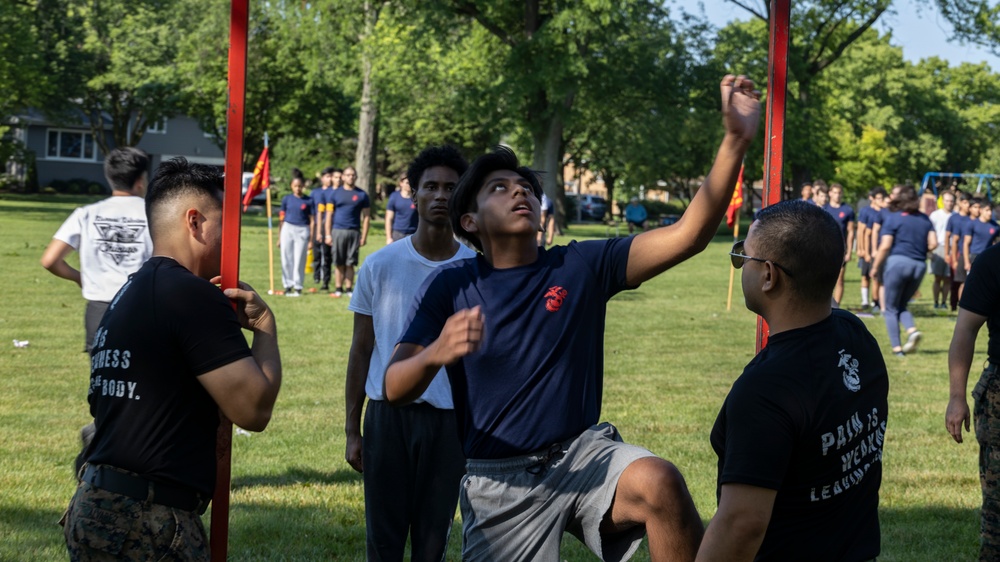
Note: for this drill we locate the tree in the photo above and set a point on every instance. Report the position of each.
(299, 81)
(975, 21)
(130, 49)
(821, 32)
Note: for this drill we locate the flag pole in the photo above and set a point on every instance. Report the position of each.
(774, 150)
(732, 269)
(270, 239)
(230, 267)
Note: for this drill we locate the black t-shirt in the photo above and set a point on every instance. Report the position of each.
(982, 295)
(807, 418)
(164, 328)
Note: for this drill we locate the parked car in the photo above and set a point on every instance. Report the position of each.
(258, 199)
(588, 207)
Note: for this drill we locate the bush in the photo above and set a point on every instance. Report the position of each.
(95, 188)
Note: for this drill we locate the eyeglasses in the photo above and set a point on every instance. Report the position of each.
(739, 258)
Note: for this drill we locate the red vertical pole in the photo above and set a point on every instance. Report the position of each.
(219, 541)
(777, 90)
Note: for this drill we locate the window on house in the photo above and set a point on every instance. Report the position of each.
(158, 127)
(71, 145)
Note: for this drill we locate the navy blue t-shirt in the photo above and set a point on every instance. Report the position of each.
(954, 226)
(321, 199)
(807, 418)
(406, 218)
(538, 377)
(843, 214)
(983, 235)
(982, 295)
(296, 210)
(865, 216)
(347, 207)
(909, 232)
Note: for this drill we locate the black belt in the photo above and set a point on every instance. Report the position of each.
(137, 487)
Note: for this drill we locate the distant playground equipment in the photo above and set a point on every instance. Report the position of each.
(982, 179)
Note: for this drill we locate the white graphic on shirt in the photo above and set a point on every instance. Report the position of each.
(110, 360)
(851, 378)
(119, 237)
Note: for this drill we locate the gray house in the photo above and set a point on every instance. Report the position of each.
(66, 150)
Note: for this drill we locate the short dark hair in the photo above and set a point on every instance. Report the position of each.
(807, 241)
(906, 200)
(447, 156)
(877, 190)
(328, 170)
(977, 201)
(124, 166)
(178, 177)
(463, 200)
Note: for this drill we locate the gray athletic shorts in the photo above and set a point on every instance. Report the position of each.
(345, 246)
(939, 267)
(517, 508)
(960, 273)
(92, 320)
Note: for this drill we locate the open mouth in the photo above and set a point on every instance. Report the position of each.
(522, 208)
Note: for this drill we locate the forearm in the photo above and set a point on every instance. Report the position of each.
(365, 224)
(64, 270)
(959, 362)
(850, 243)
(358, 364)
(726, 540)
(703, 216)
(327, 223)
(268, 358)
(407, 379)
(389, 217)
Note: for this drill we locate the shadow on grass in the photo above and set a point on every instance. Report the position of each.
(297, 475)
(31, 533)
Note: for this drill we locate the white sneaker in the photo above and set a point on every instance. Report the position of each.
(911, 342)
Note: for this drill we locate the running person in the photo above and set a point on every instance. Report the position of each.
(520, 331)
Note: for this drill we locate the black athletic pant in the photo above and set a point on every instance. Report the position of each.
(322, 260)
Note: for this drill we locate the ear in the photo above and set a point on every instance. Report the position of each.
(468, 222)
(768, 280)
(192, 222)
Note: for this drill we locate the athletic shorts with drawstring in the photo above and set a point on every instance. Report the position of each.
(518, 508)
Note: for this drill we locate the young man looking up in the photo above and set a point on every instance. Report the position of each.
(520, 330)
(410, 456)
(111, 236)
(816, 395)
(347, 225)
(939, 262)
(168, 356)
(844, 215)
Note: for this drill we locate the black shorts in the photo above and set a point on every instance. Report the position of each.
(866, 268)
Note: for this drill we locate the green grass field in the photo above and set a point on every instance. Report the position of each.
(672, 353)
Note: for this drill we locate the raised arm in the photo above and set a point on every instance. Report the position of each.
(246, 389)
(413, 367)
(655, 251)
(358, 362)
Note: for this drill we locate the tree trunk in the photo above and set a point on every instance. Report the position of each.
(364, 159)
(609, 185)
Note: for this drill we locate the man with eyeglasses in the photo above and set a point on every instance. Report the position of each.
(799, 437)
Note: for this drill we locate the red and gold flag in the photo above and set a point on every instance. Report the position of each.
(736, 202)
(261, 179)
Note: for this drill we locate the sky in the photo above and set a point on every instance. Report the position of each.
(917, 27)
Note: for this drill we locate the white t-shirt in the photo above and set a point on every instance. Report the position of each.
(387, 286)
(112, 238)
(939, 219)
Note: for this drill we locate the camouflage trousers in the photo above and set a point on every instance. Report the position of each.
(103, 526)
(986, 395)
